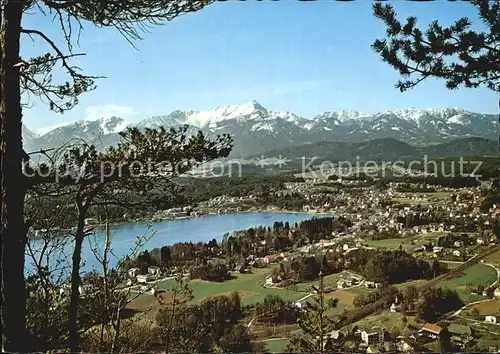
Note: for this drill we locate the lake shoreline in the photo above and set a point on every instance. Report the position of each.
(188, 230)
(151, 221)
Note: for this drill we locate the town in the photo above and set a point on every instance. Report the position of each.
(211, 176)
(409, 270)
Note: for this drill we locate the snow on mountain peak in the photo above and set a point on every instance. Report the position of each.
(43, 131)
(250, 110)
(415, 115)
(257, 129)
(112, 125)
(341, 115)
(108, 125)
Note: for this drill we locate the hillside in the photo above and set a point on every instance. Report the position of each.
(257, 129)
(386, 149)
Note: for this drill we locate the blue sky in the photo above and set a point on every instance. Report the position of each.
(303, 57)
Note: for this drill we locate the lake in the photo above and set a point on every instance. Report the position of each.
(167, 232)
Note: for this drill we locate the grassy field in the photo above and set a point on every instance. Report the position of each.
(359, 290)
(431, 198)
(478, 274)
(410, 201)
(493, 258)
(450, 266)
(275, 345)
(439, 195)
(329, 281)
(404, 285)
(391, 321)
(249, 286)
(488, 307)
(391, 243)
(408, 243)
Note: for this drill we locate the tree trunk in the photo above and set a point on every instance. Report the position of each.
(1, 180)
(117, 328)
(75, 280)
(13, 226)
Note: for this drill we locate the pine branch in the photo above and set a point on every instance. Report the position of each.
(409, 52)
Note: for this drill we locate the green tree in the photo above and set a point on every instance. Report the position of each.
(236, 340)
(455, 53)
(410, 297)
(435, 302)
(436, 268)
(161, 154)
(274, 309)
(167, 319)
(33, 76)
(105, 302)
(314, 323)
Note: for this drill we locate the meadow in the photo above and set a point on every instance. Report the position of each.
(275, 345)
(391, 243)
(488, 307)
(478, 274)
(431, 198)
(493, 258)
(250, 286)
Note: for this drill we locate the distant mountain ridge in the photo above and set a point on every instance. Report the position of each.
(386, 149)
(256, 129)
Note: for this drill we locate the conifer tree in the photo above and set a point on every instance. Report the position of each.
(456, 53)
(315, 323)
(33, 76)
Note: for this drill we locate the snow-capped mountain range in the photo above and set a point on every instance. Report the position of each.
(256, 129)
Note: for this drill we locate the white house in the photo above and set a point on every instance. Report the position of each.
(299, 305)
(456, 253)
(490, 319)
(458, 244)
(496, 293)
(334, 334)
(91, 221)
(404, 346)
(65, 290)
(419, 249)
(143, 278)
(133, 272)
(341, 284)
(84, 289)
(154, 270)
(374, 336)
(269, 280)
(395, 307)
(369, 284)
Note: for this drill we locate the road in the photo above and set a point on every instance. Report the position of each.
(498, 274)
(271, 339)
(470, 262)
(482, 323)
(305, 297)
(452, 262)
(457, 313)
